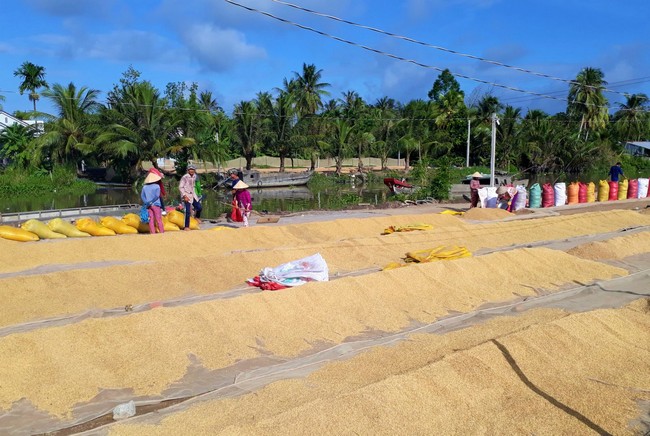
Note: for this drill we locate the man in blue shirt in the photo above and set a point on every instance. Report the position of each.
(616, 171)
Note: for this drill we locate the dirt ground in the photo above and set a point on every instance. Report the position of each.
(544, 329)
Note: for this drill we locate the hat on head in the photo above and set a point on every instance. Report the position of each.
(477, 174)
(191, 167)
(151, 178)
(240, 185)
(502, 190)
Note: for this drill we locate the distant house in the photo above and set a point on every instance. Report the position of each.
(639, 148)
(7, 120)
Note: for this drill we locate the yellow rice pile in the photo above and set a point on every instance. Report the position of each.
(586, 373)
(148, 351)
(615, 248)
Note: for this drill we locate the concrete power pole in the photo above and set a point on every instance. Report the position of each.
(493, 148)
(469, 126)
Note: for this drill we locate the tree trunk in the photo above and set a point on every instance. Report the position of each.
(282, 157)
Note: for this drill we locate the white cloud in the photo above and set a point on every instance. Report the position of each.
(218, 49)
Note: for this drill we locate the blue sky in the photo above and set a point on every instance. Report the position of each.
(236, 53)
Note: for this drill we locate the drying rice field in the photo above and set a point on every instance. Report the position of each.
(545, 329)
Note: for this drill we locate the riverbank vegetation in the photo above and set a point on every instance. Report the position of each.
(20, 183)
(137, 122)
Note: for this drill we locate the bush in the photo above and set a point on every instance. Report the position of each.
(20, 182)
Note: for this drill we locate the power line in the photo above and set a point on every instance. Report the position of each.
(436, 47)
(393, 56)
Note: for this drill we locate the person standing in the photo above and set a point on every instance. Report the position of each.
(150, 196)
(616, 171)
(243, 199)
(163, 194)
(189, 195)
(474, 186)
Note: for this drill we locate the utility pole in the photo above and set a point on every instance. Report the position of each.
(469, 126)
(493, 148)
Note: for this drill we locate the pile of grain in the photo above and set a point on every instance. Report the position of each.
(482, 214)
(219, 261)
(615, 248)
(491, 378)
(148, 351)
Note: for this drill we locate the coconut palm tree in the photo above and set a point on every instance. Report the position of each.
(307, 92)
(633, 119)
(33, 78)
(247, 129)
(339, 144)
(587, 102)
(70, 134)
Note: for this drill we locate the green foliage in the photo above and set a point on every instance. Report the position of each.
(321, 181)
(441, 181)
(18, 182)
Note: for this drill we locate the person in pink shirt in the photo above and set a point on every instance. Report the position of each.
(243, 198)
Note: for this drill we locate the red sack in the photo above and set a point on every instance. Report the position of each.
(582, 193)
(236, 214)
(633, 188)
(613, 191)
(548, 195)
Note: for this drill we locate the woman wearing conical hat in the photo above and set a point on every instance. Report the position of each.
(243, 200)
(151, 198)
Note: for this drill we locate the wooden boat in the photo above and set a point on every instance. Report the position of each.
(397, 186)
(258, 180)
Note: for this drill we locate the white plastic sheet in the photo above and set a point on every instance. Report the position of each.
(297, 272)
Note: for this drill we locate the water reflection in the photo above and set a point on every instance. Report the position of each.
(293, 199)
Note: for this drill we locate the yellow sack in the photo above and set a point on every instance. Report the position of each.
(93, 228)
(603, 190)
(118, 226)
(41, 229)
(143, 227)
(133, 220)
(407, 228)
(442, 252)
(452, 212)
(17, 234)
(591, 192)
(65, 228)
(169, 226)
(194, 224)
(622, 189)
(176, 217)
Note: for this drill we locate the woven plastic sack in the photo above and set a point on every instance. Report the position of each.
(573, 193)
(41, 229)
(622, 189)
(582, 192)
(131, 219)
(535, 196)
(548, 195)
(93, 228)
(65, 228)
(633, 188)
(491, 199)
(591, 192)
(118, 226)
(603, 190)
(613, 191)
(643, 187)
(520, 201)
(559, 189)
(17, 234)
(297, 272)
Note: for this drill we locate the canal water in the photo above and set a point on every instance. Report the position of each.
(215, 203)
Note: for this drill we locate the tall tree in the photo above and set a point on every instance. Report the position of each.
(33, 78)
(70, 135)
(247, 129)
(587, 102)
(632, 120)
(308, 91)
